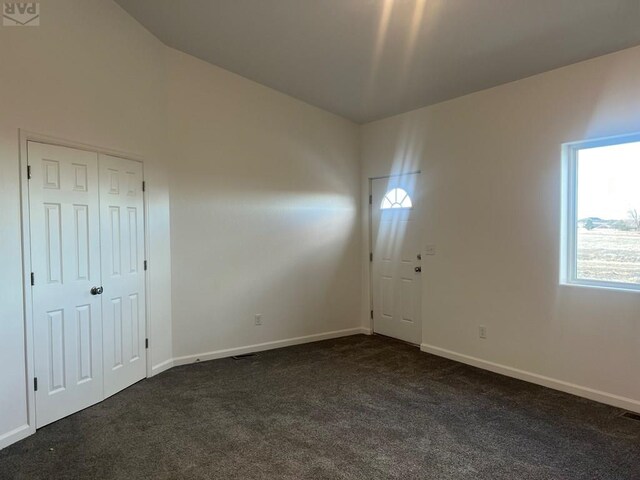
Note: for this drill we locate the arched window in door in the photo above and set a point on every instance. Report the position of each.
(396, 198)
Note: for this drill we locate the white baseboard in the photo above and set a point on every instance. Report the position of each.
(161, 367)
(259, 347)
(14, 435)
(586, 392)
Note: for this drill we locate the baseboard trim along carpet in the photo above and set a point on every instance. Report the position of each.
(15, 435)
(259, 347)
(161, 367)
(580, 391)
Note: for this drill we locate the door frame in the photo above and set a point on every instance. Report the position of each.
(24, 137)
(370, 233)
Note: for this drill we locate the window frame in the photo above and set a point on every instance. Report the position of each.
(569, 227)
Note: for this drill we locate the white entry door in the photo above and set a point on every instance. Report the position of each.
(88, 292)
(123, 300)
(396, 264)
(65, 258)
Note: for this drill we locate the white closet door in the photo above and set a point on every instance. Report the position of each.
(123, 300)
(65, 257)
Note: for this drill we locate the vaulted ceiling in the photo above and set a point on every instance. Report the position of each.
(368, 59)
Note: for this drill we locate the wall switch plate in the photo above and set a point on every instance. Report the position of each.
(482, 331)
(430, 249)
(258, 319)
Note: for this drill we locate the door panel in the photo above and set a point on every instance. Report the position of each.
(65, 246)
(396, 286)
(123, 300)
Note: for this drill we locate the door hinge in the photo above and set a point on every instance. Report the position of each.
(28, 172)
(146, 343)
(35, 384)
(145, 264)
(370, 199)
(371, 314)
(33, 279)
(371, 256)
(144, 186)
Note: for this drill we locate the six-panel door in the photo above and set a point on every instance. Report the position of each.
(87, 230)
(123, 300)
(65, 258)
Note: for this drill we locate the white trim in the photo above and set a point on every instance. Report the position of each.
(30, 427)
(147, 275)
(161, 367)
(369, 261)
(569, 219)
(259, 347)
(395, 175)
(579, 390)
(185, 360)
(27, 135)
(15, 435)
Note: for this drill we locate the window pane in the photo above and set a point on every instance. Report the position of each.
(396, 198)
(608, 206)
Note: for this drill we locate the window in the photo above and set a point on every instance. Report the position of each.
(396, 198)
(601, 214)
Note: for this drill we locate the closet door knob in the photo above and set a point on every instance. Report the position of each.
(97, 290)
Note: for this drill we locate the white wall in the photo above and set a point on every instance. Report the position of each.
(491, 176)
(264, 214)
(264, 189)
(88, 74)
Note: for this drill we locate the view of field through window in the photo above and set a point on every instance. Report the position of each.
(608, 213)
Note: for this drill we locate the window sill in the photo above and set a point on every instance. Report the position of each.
(610, 286)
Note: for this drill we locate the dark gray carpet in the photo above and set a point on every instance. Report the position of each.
(352, 408)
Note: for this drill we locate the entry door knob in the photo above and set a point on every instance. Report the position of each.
(97, 290)
(418, 269)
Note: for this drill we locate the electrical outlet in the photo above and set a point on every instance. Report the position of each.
(258, 319)
(482, 331)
